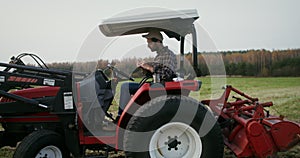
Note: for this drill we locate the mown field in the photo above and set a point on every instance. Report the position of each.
(284, 92)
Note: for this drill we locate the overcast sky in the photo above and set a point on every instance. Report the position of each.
(56, 29)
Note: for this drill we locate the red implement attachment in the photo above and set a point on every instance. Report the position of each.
(249, 130)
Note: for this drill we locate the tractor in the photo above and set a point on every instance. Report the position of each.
(55, 113)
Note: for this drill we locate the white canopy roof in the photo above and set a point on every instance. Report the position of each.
(173, 23)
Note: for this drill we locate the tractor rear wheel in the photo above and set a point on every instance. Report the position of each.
(173, 127)
(42, 143)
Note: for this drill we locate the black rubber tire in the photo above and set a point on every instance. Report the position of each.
(34, 142)
(144, 120)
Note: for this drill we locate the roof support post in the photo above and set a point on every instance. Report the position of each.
(181, 58)
(195, 51)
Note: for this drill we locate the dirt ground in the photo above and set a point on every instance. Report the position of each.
(7, 152)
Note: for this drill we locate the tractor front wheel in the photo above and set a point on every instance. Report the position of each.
(41, 144)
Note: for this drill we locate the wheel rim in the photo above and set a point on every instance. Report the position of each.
(175, 140)
(49, 152)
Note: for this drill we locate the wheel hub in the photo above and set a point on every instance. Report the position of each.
(49, 152)
(172, 143)
(175, 140)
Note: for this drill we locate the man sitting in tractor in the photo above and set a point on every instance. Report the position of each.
(164, 66)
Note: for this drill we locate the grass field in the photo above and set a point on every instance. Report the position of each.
(284, 92)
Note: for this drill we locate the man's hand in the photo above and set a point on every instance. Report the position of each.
(145, 66)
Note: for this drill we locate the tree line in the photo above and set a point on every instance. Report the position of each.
(235, 63)
(254, 62)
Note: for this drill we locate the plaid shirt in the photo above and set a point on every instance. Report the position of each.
(165, 64)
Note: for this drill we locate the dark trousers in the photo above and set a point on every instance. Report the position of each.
(127, 89)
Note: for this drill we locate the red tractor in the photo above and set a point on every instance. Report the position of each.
(56, 113)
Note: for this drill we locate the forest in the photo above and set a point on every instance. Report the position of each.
(258, 63)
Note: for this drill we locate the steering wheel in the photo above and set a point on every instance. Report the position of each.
(147, 75)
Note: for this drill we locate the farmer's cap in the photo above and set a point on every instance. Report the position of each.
(154, 34)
